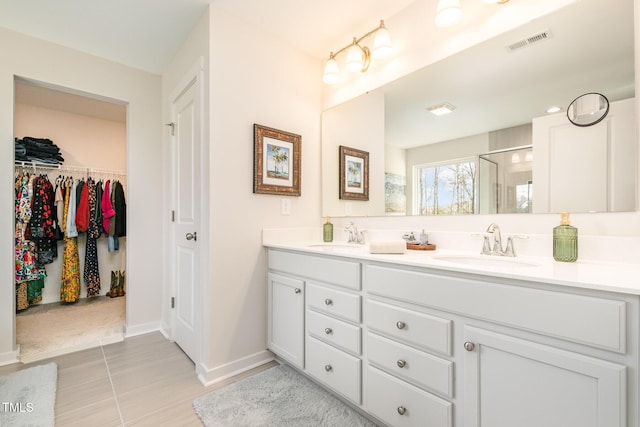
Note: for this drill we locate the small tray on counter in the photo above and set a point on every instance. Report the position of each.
(419, 247)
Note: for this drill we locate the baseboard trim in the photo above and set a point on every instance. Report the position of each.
(10, 357)
(145, 328)
(212, 376)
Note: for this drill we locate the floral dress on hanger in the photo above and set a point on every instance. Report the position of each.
(91, 268)
(70, 283)
(28, 277)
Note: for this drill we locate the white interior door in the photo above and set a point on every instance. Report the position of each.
(186, 137)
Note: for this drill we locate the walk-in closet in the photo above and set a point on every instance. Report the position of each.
(70, 229)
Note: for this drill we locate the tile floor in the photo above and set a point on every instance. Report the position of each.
(141, 381)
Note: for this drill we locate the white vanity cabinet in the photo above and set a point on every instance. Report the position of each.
(421, 346)
(285, 325)
(522, 354)
(327, 320)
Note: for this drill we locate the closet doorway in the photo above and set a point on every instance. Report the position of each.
(76, 143)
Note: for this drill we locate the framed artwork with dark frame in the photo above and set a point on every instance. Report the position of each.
(354, 174)
(276, 161)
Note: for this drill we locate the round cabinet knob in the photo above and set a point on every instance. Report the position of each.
(328, 301)
(401, 325)
(402, 410)
(297, 290)
(401, 363)
(469, 346)
(328, 368)
(328, 331)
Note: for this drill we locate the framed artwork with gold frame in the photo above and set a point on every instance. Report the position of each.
(276, 161)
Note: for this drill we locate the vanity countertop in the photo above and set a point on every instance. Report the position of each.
(604, 276)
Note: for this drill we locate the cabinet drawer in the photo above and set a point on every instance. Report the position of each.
(425, 331)
(594, 321)
(415, 366)
(403, 405)
(334, 331)
(334, 271)
(331, 301)
(334, 368)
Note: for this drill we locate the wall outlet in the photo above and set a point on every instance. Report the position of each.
(286, 207)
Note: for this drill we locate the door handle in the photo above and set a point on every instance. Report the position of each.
(192, 236)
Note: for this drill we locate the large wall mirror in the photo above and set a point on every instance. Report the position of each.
(499, 151)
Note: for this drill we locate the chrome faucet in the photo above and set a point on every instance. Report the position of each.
(497, 240)
(355, 236)
(487, 249)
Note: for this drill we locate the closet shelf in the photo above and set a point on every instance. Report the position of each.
(67, 168)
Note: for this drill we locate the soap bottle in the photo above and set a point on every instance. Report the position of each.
(327, 231)
(565, 240)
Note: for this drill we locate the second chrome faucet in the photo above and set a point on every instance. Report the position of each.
(496, 248)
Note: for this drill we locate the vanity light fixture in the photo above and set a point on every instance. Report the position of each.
(358, 56)
(553, 109)
(441, 109)
(515, 158)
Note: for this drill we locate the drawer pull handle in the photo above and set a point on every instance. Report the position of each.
(402, 363)
(328, 301)
(328, 368)
(401, 325)
(328, 331)
(297, 290)
(402, 410)
(469, 346)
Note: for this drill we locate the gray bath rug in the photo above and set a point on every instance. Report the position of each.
(279, 397)
(28, 397)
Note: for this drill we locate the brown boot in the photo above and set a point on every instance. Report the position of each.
(121, 283)
(113, 291)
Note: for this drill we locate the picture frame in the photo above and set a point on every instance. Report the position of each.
(354, 174)
(276, 161)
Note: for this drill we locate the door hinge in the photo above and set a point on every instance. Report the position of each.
(173, 216)
(173, 302)
(173, 128)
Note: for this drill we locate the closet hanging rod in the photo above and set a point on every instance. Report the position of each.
(67, 168)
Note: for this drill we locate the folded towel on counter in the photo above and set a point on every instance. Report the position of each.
(388, 247)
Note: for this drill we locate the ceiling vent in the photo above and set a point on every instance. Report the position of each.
(528, 41)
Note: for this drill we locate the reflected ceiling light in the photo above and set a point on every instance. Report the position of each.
(358, 56)
(448, 13)
(441, 109)
(528, 157)
(515, 158)
(553, 109)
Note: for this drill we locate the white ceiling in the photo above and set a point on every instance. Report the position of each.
(146, 34)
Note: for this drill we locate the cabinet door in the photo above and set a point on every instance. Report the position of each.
(285, 333)
(513, 382)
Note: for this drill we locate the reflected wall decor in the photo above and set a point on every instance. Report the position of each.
(354, 174)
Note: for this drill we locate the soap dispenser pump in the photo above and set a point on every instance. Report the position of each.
(327, 231)
(565, 240)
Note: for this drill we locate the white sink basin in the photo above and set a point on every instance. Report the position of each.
(486, 261)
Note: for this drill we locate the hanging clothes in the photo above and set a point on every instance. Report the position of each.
(91, 267)
(29, 278)
(70, 283)
(41, 223)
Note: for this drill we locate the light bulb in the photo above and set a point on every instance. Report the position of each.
(448, 13)
(381, 42)
(331, 71)
(354, 57)
(515, 158)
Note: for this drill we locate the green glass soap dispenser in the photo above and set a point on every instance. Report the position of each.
(327, 231)
(565, 240)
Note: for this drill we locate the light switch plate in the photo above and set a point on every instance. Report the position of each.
(286, 207)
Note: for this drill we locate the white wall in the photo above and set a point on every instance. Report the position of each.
(254, 78)
(46, 62)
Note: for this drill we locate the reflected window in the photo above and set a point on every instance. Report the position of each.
(445, 188)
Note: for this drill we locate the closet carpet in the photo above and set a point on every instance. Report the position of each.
(49, 330)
